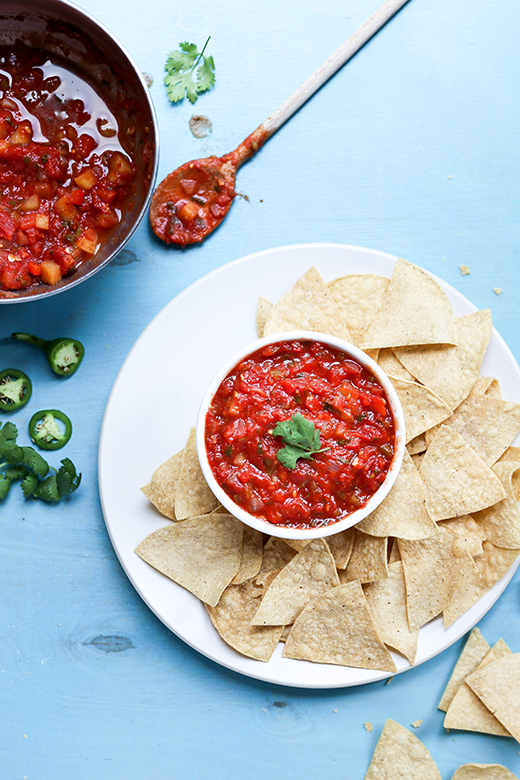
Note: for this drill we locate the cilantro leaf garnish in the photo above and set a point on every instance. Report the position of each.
(189, 72)
(301, 440)
(38, 479)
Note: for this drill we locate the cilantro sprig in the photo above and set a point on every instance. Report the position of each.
(38, 478)
(189, 72)
(301, 440)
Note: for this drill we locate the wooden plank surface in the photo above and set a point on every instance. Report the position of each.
(412, 149)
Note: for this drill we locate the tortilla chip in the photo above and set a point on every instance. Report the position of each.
(512, 454)
(415, 310)
(450, 371)
(161, 488)
(475, 650)
(463, 597)
(252, 553)
(501, 522)
(418, 459)
(457, 480)
(192, 494)
(297, 544)
(497, 685)
(483, 772)
(308, 306)
(418, 445)
(482, 387)
(467, 585)
(466, 712)
(489, 426)
(202, 554)
(403, 512)
(309, 573)
(232, 619)
(400, 754)
(391, 365)
(422, 409)
(394, 554)
(386, 601)
(368, 559)
(358, 296)
(469, 530)
(340, 546)
(336, 628)
(276, 554)
(433, 568)
(263, 310)
(495, 562)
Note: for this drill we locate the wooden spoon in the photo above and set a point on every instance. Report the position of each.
(193, 200)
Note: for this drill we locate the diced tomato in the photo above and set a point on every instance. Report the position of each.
(107, 219)
(34, 268)
(76, 196)
(7, 225)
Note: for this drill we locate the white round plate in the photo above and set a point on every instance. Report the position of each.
(176, 356)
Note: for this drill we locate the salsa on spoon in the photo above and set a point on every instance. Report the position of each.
(193, 200)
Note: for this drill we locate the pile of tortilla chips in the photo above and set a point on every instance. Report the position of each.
(483, 691)
(446, 533)
(399, 754)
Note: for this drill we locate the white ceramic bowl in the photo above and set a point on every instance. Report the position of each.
(355, 517)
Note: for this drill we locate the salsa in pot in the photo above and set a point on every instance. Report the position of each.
(64, 174)
(344, 402)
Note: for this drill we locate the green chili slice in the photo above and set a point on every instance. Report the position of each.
(15, 389)
(45, 431)
(63, 354)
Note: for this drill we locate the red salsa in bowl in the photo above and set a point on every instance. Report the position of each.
(301, 433)
(65, 175)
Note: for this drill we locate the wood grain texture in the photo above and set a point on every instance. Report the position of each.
(412, 148)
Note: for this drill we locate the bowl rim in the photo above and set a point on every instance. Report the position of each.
(374, 501)
(48, 292)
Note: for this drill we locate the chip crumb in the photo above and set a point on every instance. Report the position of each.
(24, 736)
(464, 269)
(368, 727)
(389, 680)
(148, 79)
(334, 710)
(497, 290)
(417, 723)
(200, 126)
(450, 176)
(443, 259)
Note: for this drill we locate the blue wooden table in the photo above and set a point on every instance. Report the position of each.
(413, 149)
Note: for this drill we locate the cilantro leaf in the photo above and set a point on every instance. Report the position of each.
(289, 455)
(26, 464)
(180, 85)
(301, 440)
(183, 59)
(47, 490)
(5, 485)
(29, 484)
(67, 479)
(189, 73)
(27, 457)
(8, 434)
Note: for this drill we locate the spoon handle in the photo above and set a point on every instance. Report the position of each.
(327, 69)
